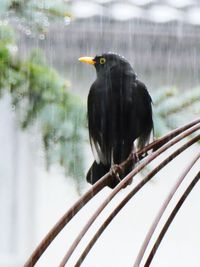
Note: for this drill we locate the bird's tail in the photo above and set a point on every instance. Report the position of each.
(96, 171)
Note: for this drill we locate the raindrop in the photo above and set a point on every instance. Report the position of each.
(13, 107)
(12, 48)
(41, 36)
(28, 31)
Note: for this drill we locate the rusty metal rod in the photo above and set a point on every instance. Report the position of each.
(64, 220)
(130, 195)
(162, 210)
(74, 210)
(47, 240)
(122, 184)
(170, 219)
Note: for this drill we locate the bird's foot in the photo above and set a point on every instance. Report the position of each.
(135, 156)
(114, 171)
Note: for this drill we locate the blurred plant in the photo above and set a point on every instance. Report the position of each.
(173, 108)
(33, 17)
(40, 95)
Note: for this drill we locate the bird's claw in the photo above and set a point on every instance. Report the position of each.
(135, 157)
(114, 171)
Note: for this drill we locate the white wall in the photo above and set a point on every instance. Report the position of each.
(31, 199)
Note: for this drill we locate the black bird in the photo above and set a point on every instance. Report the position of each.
(119, 112)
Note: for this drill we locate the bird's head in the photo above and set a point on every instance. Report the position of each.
(108, 62)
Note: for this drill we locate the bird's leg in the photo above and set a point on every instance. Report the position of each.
(134, 155)
(114, 171)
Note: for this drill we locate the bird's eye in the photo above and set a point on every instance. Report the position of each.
(102, 60)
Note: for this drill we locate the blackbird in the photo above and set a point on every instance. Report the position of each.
(119, 112)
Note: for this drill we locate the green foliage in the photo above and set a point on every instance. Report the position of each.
(6, 60)
(173, 108)
(7, 35)
(34, 16)
(41, 96)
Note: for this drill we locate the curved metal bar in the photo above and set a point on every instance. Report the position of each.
(43, 245)
(162, 210)
(170, 219)
(82, 202)
(121, 185)
(163, 140)
(64, 220)
(130, 195)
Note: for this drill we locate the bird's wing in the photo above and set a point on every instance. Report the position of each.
(95, 124)
(143, 113)
(96, 150)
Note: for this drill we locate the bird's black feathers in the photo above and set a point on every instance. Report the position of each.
(119, 112)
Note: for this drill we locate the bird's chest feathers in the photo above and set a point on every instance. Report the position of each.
(114, 96)
(114, 87)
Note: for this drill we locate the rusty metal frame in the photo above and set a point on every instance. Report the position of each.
(129, 196)
(124, 182)
(158, 147)
(162, 210)
(171, 218)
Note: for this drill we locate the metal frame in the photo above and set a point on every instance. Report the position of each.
(159, 146)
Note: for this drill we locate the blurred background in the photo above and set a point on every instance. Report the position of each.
(43, 88)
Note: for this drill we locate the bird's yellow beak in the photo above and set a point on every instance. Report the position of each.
(89, 60)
